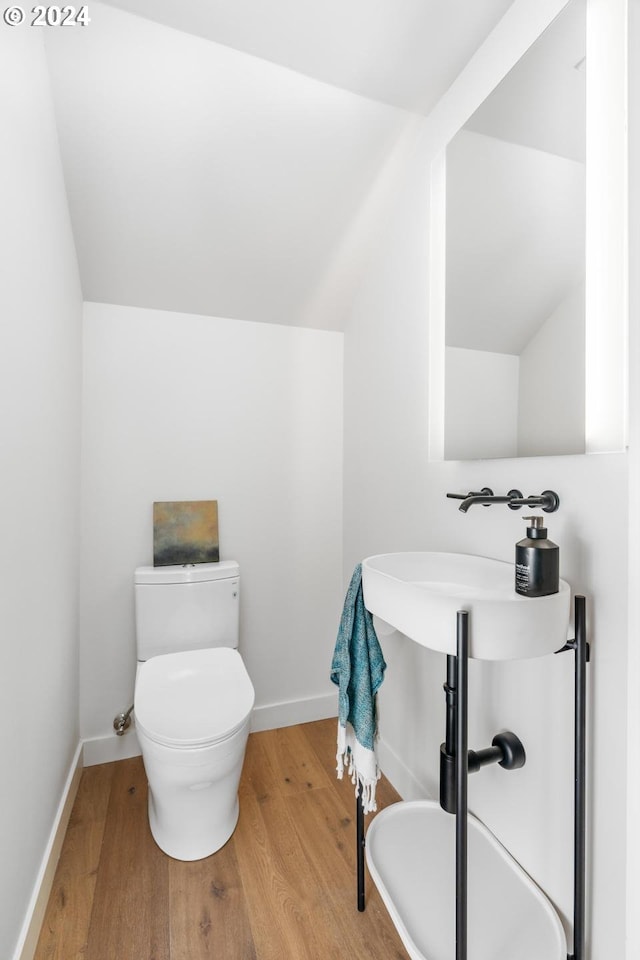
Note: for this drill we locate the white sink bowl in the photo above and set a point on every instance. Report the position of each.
(419, 594)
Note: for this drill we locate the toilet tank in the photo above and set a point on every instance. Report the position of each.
(186, 607)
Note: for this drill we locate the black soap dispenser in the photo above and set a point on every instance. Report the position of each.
(537, 562)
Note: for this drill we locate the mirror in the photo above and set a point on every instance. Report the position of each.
(514, 342)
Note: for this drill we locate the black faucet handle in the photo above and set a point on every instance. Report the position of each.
(548, 501)
(514, 495)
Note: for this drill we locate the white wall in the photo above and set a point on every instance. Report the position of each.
(395, 500)
(481, 404)
(40, 300)
(515, 239)
(499, 405)
(551, 399)
(633, 673)
(181, 407)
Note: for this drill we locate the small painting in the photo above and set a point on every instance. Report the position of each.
(185, 531)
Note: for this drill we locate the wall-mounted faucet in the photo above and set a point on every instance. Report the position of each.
(549, 501)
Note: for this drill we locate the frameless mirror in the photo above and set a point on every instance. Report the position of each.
(515, 259)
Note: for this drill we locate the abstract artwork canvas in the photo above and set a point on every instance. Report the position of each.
(185, 531)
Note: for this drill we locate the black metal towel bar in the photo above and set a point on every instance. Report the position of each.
(457, 681)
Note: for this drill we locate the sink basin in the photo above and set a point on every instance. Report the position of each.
(418, 594)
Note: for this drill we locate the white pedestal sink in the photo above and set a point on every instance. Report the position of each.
(410, 847)
(419, 594)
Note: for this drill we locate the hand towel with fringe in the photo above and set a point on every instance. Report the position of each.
(358, 669)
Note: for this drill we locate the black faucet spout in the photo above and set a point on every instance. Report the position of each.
(484, 500)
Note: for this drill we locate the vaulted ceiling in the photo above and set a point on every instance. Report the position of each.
(405, 53)
(217, 151)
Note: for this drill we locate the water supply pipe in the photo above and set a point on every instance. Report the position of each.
(122, 722)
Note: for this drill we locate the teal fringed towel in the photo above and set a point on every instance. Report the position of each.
(358, 669)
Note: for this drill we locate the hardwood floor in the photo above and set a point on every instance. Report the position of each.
(282, 887)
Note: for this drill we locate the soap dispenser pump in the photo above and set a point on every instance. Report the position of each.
(537, 562)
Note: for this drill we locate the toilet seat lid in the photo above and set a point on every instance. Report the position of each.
(193, 698)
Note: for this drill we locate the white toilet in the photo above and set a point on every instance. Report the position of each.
(193, 703)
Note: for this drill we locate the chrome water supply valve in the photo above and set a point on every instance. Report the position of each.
(122, 722)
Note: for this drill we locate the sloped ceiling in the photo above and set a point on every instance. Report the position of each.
(216, 153)
(405, 53)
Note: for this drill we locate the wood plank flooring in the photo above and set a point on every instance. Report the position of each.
(282, 887)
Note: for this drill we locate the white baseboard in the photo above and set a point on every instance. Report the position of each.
(401, 777)
(28, 939)
(269, 717)
(285, 714)
(110, 748)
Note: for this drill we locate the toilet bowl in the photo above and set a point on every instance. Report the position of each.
(193, 710)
